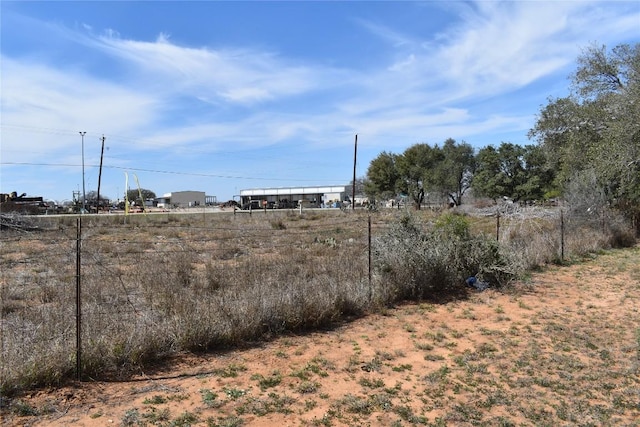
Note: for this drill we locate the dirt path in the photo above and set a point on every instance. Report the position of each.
(560, 349)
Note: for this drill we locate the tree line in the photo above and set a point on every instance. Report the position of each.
(586, 143)
(446, 173)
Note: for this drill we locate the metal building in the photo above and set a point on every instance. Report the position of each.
(292, 197)
(182, 199)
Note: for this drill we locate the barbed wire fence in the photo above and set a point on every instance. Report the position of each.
(91, 296)
(561, 233)
(121, 289)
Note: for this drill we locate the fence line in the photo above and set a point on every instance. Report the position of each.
(161, 278)
(79, 300)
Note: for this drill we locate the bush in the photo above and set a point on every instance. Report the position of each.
(621, 233)
(417, 261)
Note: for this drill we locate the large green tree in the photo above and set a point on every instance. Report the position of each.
(518, 172)
(596, 127)
(454, 170)
(500, 171)
(92, 198)
(422, 169)
(417, 172)
(382, 176)
(134, 196)
(539, 176)
(488, 180)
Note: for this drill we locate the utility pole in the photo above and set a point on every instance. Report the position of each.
(84, 194)
(353, 188)
(100, 174)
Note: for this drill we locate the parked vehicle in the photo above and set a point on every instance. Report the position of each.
(252, 205)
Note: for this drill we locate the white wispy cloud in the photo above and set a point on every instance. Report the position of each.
(40, 97)
(496, 48)
(166, 99)
(236, 75)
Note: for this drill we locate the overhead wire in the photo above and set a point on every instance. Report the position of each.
(53, 131)
(155, 171)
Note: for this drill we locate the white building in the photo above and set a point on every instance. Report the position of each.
(291, 197)
(182, 199)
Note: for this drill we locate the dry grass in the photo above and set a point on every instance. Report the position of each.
(562, 348)
(155, 286)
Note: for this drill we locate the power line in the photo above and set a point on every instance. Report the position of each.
(159, 171)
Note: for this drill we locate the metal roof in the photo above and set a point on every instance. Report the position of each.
(283, 191)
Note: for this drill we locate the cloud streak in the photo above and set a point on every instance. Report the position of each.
(241, 76)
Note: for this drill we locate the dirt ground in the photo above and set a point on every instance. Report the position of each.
(562, 348)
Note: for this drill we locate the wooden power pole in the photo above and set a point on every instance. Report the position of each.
(353, 187)
(100, 174)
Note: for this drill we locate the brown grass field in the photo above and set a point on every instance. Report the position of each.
(560, 348)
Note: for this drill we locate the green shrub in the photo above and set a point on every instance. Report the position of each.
(419, 261)
(452, 226)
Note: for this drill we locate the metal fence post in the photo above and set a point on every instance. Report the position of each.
(78, 300)
(561, 235)
(369, 246)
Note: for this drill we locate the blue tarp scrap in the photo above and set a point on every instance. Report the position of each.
(477, 284)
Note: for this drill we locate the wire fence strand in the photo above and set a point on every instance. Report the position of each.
(155, 284)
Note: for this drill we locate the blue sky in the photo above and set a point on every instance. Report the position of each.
(223, 96)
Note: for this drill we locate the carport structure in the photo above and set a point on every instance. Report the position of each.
(291, 197)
